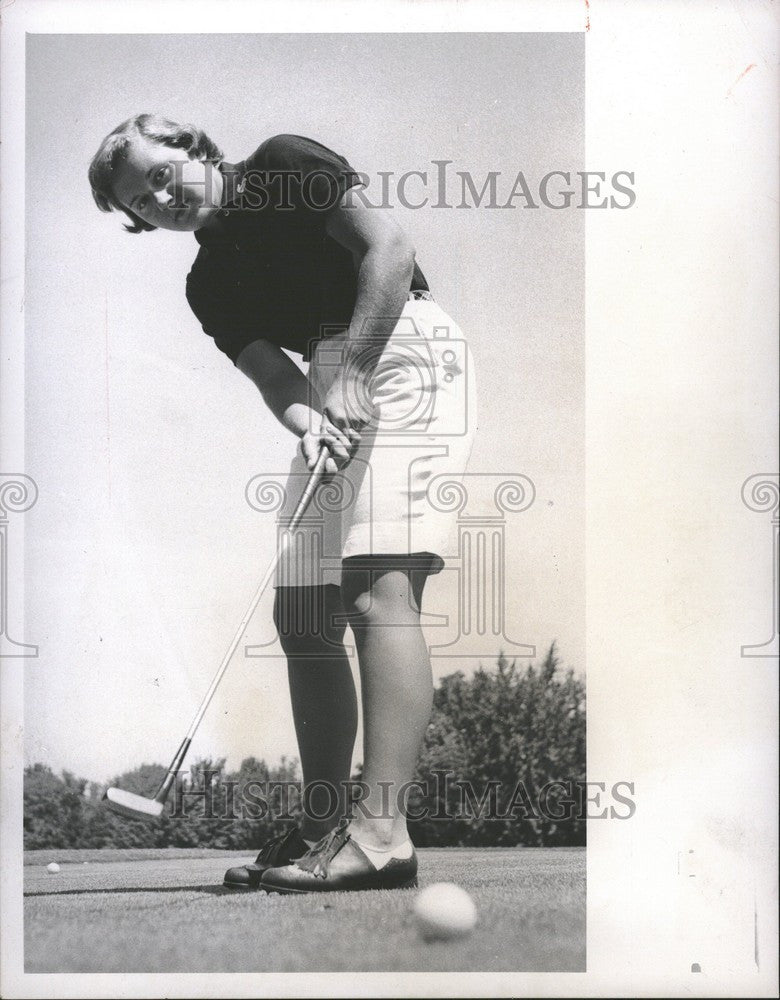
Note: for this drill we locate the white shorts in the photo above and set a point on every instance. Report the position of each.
(398, 494)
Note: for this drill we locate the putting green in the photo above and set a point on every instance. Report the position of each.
(169, 913)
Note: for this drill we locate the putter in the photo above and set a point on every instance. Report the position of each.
(138, 806)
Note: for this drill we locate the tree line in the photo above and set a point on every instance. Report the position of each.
(502, 756)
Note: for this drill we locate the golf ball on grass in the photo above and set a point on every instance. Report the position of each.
(444, 911)
(52, 868)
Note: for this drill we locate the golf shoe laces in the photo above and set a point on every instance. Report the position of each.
(318, 859)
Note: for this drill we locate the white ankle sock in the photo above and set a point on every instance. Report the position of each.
(379, 858)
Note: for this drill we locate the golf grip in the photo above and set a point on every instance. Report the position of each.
(312, 484)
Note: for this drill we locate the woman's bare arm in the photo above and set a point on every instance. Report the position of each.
(291, 398)
(286, 391)
(384, 258)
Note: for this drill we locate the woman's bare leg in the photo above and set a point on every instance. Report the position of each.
(383, 605)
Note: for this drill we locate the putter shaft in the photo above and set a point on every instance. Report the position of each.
(300, 510)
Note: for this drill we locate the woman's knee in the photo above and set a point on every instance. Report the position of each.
(306, 619)
(373, 596)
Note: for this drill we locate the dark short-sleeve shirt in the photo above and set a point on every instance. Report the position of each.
(266, 268)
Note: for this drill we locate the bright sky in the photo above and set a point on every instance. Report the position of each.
(142, 553)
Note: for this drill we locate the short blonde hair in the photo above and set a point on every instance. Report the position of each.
(113, 151)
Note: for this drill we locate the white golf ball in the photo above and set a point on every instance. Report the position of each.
(443, 911)
(52, 868)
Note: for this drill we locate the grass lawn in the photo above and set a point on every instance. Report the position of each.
(167, 911)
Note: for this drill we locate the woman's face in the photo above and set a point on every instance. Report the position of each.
(167, 190)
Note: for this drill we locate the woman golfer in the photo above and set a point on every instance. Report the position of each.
(293, 256)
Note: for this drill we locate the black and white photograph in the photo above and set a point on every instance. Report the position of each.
(388, 500)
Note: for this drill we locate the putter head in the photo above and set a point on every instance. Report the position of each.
(132, 805)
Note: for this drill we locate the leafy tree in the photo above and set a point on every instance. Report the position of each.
(52, 808)
(495, 741)
(235, 810)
